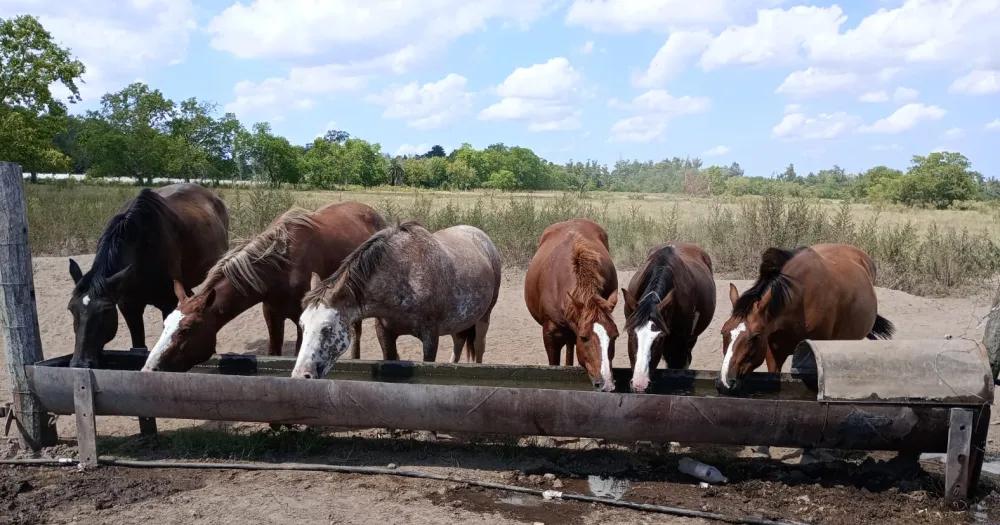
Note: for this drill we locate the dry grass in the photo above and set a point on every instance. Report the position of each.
(920, 251)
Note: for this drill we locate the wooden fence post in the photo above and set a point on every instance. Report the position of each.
(18, 314)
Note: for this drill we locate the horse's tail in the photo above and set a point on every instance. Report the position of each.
(883, 329)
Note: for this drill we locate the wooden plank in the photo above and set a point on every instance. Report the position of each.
(18, 313)
(86, 425)
(977, 454)
(956, 469)
(147, 426)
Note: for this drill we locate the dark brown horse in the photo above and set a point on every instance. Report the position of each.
(415, 283)
(274, 268)
(171, 234)
(668, 304)
(822, 292)
(571, 289)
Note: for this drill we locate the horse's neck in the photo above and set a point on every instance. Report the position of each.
(229, 302)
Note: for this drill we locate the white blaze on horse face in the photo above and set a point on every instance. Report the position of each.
(324, 338)
(170, 326)
(86, 300)
(733, 335)
(645, 336)
(605, 341)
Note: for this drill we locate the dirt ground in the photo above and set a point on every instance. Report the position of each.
(839, 492)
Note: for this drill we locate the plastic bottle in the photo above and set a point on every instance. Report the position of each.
(701, 471)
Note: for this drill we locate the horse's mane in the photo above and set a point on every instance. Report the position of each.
(243, 264)
(587, 270)
(771, 279)
(655, 283)
(357, 268)
(141, 222)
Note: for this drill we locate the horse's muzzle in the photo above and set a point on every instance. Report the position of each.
(729, 390)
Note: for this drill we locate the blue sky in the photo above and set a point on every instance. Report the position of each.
(759, 82)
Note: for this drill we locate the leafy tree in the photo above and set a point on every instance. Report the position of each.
(789, 174)
(435, 151)
(201, 145)
(503, 180)
(365, 162)
(880, 183)
(30, 116)
(336, 136)
(265, 156)
(938, 180)
(461, 175)
(397, 175)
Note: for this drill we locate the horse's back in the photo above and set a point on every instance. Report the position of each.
(837, 282)
(351, 213)
(339, 229)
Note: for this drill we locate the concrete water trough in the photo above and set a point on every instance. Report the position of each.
(911, 396)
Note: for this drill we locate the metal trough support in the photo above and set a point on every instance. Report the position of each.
(821, 410)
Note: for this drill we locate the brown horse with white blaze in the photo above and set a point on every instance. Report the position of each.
(571, 289)
(274, 268)
(172, 234)
(822, 292)
(668, 304)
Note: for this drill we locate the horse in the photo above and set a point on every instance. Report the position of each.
(173, 234)
(415, 283)
(273, 268)
(571, 289)
(668, 303)
(826, 291)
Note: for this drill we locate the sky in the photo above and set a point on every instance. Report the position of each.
(761, 82)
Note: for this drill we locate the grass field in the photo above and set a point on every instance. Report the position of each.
(920, 251)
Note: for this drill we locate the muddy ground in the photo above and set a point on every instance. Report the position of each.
(857, 490)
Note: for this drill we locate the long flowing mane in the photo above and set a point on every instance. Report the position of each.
(357, 268)
(244, 265)
(771, 279)
(589, 279)
(655, 283)
(142, 222)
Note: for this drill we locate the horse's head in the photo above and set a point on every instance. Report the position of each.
(596, 333)
(326, 335)
(188, 336)
(95, 317)
(744, 342)
(646, 326)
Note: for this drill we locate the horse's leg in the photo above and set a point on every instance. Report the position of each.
(479, 340)
(570, 352)
(356, 344)
(275, 329)
(430, 342)
(133, 319)
(553, 345)
(458, 339)
(387, 340)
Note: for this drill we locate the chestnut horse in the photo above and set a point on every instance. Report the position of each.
(415, 283)
(668, 304)
(171, 234)
(826, 291)
(274, 268)
(571, 289)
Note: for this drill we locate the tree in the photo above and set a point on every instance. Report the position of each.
(789, 174)
(880, 183)
(265, 156)
(201, 146)
(336, 136)
(503, 180)
(435, 151)
(461, 175)
(938, 180)
(30, 116)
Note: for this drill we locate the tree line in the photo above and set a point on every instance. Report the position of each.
(139, 133)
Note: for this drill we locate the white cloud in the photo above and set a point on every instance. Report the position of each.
(392, 33)
(993, 125)
(675, 55)
(778, 36)
(874, 97)
(905, 94)
(116, 41)
(653, 110)
(823, 126)
(793, 108)
(543, 95)
(816, 81)
(978, 82)
(954, 134)
(299, 90)
(412, 149)
(629, 16)
(904, 118)
(715, 151)
(426, 106)
(587, 47)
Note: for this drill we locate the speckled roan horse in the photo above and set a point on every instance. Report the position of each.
(415, 283)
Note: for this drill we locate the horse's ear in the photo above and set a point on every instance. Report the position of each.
(314, 281)
(761, 305)
(75, 272)
(180, 291)
(209, 297)
(734, 294)
(629, 300)
(612, 301)
(666, 302)
(117, 280)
